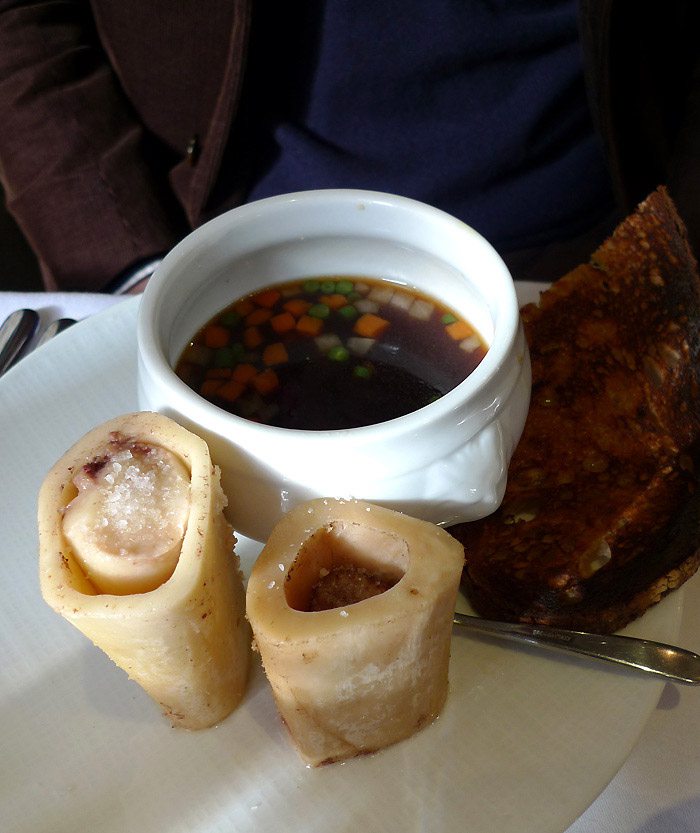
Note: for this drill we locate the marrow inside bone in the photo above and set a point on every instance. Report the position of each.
(128, 520)
(342, 564)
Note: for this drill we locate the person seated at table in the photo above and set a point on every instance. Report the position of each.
(125, 125)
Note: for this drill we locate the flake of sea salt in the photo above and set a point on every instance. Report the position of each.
(139, 497)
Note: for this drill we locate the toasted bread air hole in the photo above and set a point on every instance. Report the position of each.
(342, 564)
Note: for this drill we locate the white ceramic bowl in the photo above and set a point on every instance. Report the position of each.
(446, 462)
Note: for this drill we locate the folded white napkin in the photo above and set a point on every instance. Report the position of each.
(52, 305)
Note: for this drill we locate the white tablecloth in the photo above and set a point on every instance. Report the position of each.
(658, 788)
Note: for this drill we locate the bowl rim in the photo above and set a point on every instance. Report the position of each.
(153, 359)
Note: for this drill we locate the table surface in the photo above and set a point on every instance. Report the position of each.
(657, 790)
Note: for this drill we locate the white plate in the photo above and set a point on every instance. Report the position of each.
(526, 742)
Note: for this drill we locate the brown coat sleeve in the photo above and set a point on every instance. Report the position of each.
(84, 180)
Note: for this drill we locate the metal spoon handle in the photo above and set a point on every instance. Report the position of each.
(54, 328)
(642, 654)
(15, 332)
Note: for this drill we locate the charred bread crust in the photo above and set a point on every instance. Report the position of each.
(601, 515)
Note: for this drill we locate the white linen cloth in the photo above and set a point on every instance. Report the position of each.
(657, 790)
(52, 305)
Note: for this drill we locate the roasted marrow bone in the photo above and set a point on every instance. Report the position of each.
(351, 607)
(136, 553)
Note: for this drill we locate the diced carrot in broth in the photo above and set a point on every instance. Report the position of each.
(297, 306)
(257, 317)
(252, 337)
(370, 325)
(231, 390)
(210, 387)
(283, 323)
(218, 373)
(244, 307)
(309, 326)
(267, 298)
(459, 330)
(216, 336)
(335, 301)
(275, 354)
(244, 372)
(266, 381)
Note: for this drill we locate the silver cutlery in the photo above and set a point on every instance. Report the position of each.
(54, 328)
(640, 654)
(17, 329)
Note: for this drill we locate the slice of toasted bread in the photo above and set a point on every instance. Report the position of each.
(601, 515)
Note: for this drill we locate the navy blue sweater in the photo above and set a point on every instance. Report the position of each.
(476, 107)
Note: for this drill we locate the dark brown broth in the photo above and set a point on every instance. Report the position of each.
(320, 381)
